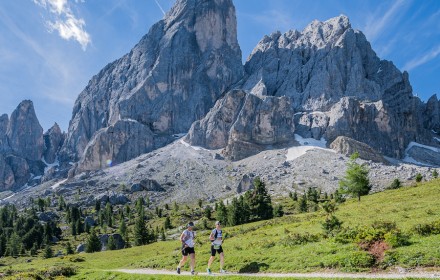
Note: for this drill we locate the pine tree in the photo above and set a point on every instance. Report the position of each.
(260, 202)
(278, 210)
(233, 213)
(162, 235)
(34, 250)
(200, 203)
(48, 252)
(295, 196)
(395, 184)
(167, 223)
(140, 231)
(111, 243)
(123, 228)
(222, 212)
(109, 214)
(61, 203)
(303, 207)
(93, 244)
(207, 212)
(435, 174)
(356, 180)
(69, 249)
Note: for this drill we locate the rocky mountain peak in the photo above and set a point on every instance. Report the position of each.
(25, 132)
(321, 34)
(53, 140)
(171, 78)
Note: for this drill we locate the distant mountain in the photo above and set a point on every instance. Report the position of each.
(334, 84)
(22, 147)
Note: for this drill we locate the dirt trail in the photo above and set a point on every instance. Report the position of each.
(395, 275)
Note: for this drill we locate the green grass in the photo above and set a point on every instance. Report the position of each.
(259, 246)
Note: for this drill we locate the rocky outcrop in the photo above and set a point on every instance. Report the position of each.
(7, 179)
(53, 140)
(244, 124)
(431, 114)
(171, 78)
(4, 142)
(424, 155)
(21, 147)
(116, 144)
(348, 146)
(25, 133)
(212, 131)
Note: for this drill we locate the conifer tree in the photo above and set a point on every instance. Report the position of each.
(93, 243)
(356, 180)
(260, 202)
(222, 212)
(48, 252)
(303, 207)
(111, 243)
(140, 230)
(69, 249)
(167, 223)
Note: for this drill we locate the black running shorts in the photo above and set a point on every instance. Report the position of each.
(188, 251)
(213, 251)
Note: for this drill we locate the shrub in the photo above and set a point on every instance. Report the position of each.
(419, 177)
(396, 184)
(57, 271)
(427, 229)
(435, 174)
(331, 226)
(396, 238)
(298, 239)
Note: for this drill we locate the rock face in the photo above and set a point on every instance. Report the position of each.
(348, 146)
(431, 114)
(244, 124)
(21, 147)
(53, 140)
(331, 78)
(171, 78)
(25, 133)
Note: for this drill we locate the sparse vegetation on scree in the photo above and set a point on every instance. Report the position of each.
(305, 232)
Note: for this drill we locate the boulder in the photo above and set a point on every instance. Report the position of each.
(348, 146)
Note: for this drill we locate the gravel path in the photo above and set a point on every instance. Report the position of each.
(396, 275)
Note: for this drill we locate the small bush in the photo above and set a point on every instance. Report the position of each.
(396, 184)
(331, 226)
(77, 259)
(427, 229)
(57, 271)
(298, 239)
(358, 259)
(396, 239)
(419, 177)
(435, 174)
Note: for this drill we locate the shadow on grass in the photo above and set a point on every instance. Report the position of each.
(253, 267)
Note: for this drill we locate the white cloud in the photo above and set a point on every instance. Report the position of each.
(378, 22)
(65, 22)
(432, 54)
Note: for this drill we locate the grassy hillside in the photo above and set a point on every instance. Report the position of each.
(293, 243)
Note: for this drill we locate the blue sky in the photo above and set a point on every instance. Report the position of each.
(49, 49)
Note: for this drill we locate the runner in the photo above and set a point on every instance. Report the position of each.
(187, 239)
(216, 238)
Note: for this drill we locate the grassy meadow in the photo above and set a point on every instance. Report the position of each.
(293, 243)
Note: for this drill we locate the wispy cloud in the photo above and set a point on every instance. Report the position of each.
(160, 7)
(379, 21)
(56, 63)
(432, 54)
(65, 22)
